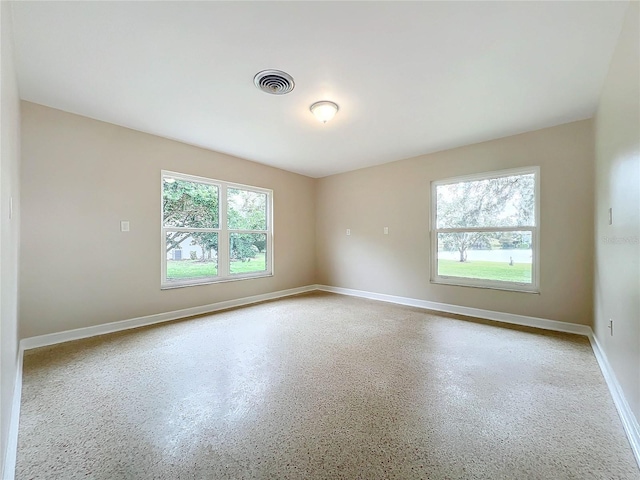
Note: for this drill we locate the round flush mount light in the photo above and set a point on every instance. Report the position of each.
(274, 82)
(324, 110)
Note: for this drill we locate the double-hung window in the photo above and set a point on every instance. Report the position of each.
(485, 230)
(214, 231)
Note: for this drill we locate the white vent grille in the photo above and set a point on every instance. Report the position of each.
(274, 82)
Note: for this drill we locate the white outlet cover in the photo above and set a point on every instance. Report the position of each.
(124, 226)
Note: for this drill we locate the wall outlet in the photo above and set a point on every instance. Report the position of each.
(124, 226)
(348, 231)
(386, 230)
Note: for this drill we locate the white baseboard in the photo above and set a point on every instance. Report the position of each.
(11, 453)
(629, 421)
(468, 311)
(86, 332)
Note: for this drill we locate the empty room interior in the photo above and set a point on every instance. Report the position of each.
(318, 240)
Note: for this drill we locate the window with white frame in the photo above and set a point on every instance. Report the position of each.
(485, 230)
(214, 231)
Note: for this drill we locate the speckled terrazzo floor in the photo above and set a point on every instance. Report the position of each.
(320, 386)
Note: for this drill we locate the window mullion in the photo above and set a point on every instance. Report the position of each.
(485, 229)
(269, 234)
(188, 230)
(231, 230)
(223, 238)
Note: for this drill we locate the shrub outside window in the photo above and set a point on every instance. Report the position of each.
(214, 231)
(485, 230)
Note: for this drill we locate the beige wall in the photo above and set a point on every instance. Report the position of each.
(617, 250)
(9, 228)
(81, 177)
(397, 195)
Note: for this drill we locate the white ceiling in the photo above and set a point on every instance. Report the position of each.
(410, 78)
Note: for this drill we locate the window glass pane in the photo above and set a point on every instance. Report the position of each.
(247, 210)
(191, 255)
(498, 256)
(189, 204)
(494, 202)
(247, 252)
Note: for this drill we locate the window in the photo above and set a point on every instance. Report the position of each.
(214, 231)
(485, 230)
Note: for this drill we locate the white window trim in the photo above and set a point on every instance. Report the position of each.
(534, 286)
(224, 274)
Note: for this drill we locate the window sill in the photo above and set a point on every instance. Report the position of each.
(210, 281)
(505, 288)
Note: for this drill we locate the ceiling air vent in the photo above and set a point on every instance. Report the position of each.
(274, 82)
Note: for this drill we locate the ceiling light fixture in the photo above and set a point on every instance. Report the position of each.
(324, 110)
